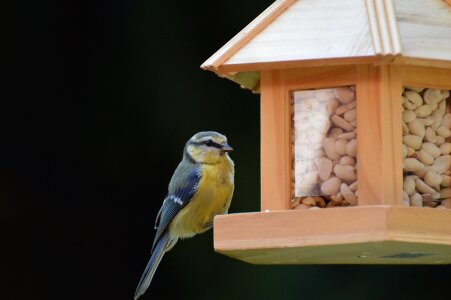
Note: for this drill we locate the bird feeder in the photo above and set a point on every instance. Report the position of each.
(355, 133)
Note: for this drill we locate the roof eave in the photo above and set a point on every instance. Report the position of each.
(245, 35)
(225, 68)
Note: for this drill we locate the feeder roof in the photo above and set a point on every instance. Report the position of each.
(303, 33)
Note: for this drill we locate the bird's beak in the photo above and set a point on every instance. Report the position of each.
(227, 148)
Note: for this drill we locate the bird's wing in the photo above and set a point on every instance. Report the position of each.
(181, 190)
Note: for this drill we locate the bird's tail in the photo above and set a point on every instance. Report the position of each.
(149, 271)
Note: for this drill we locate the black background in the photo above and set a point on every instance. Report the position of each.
(98, 102)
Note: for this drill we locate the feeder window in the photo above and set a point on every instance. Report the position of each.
(324, 139)
(426, 147)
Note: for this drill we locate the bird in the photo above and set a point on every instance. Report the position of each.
(201, 187)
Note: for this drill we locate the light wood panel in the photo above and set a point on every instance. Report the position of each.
(379, 135)
(425, 77)
(275, 143)
(412, 224)
(369, 136)
(376, 234)
(311, 29)
(391, 124)
(425, 28)
(422, 62)
(319, 77)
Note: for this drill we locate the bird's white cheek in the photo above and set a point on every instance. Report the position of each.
(202, 156)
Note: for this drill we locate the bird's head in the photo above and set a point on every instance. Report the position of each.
(207, 147)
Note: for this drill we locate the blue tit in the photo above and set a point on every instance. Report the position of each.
(201, 188)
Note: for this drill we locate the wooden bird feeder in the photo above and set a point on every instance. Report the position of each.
(355, 133)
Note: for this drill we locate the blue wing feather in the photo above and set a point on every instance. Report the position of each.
(182, 187)
(181, 190)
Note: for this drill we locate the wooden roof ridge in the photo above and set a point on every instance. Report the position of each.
(245, 35)
(383, 27)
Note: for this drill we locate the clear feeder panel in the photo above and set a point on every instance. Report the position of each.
(426, 148)
(324, 148)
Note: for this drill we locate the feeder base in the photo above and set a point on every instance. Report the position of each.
(352, 235)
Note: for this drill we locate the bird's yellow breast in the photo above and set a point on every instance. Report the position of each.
(213, 197)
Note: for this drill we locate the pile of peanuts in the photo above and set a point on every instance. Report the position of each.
(426, 147)
(325, 147)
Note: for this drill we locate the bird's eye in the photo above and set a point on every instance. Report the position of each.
(209, 143)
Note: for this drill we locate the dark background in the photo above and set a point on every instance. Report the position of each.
(98, 102)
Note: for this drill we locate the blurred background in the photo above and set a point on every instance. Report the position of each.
(102, 97)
